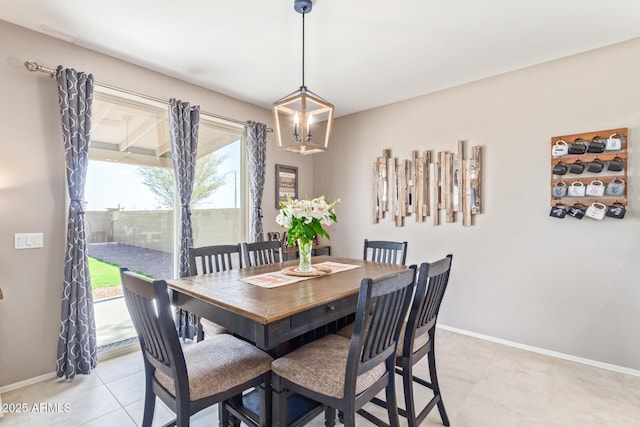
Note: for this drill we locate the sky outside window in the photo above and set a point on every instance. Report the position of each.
(117, 185)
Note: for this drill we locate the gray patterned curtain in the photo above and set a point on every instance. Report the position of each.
(183, 123)
(256, 167)
(77, 339)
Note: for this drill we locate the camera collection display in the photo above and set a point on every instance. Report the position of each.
(589, 175)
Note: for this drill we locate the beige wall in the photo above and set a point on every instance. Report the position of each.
(519, 275)
(563, 285)
(32, 183)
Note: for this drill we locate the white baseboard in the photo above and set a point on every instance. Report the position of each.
(31, 381)
(570, 357)
(101, 357)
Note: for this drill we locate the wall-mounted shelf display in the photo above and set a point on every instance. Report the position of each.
(589, 174)
(423, 185)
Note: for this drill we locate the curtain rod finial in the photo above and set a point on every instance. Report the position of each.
(34, 66)
(31, 65)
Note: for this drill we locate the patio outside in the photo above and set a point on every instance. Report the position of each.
(148, 262)
(113, 324)
(142, 241)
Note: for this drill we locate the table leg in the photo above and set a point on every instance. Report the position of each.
(279, 402)
(330, 417)
(233, 421)
(266, 395)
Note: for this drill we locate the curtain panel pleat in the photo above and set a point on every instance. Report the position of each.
(77, 353)
(256, 137)
(184, 121)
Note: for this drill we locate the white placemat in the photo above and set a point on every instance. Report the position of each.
(277, 278)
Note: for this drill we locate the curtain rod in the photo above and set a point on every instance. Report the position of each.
(34, 66)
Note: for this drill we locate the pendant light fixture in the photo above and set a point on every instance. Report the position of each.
(303, 119)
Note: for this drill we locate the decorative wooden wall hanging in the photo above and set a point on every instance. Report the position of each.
(423, 185)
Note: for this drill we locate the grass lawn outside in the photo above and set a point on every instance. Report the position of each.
(103, 274)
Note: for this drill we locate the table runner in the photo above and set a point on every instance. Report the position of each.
(278, 278)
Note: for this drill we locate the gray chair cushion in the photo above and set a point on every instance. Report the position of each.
(347, 331)
(321, 366)
(418, 341)
(212, 329)
(218, 364)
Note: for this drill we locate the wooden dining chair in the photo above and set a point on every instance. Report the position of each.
(203, 374)
(344, 374)
(417, 340)
(379, 251)
(261, 253)
(385, 251)
(212, 259)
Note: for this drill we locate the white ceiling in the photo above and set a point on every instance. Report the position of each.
(359, 54)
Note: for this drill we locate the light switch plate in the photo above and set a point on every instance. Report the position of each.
(28, 240)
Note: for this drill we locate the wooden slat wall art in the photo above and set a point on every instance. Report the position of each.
(457, 176)
(434, 194)
(422, 187)
(466, 204)
(409, 166)
(401, 188)
(407, 193)
(448, 188)
(476, 180)
(427, 189)
(391, 183)
(375, 193)
(392, 187)
(442, 171)
(419, 186)
(384, 171)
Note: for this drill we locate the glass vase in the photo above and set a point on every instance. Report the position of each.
(304, 249)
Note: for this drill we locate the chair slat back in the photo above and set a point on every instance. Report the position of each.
(382, 306)
(262, 253)
(148, 305)
(385, 251)
(430, 288)
(214, 259)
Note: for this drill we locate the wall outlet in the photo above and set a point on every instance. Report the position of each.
(28, 240)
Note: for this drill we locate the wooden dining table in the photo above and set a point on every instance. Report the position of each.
(272, 317)
(278, 319)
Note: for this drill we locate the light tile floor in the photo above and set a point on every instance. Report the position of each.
(483, 384)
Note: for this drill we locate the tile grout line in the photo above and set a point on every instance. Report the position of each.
(475, 383)
(116, 399)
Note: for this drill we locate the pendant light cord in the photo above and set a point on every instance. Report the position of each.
(304, 9)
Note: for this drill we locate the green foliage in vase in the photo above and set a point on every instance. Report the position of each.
(304, 219)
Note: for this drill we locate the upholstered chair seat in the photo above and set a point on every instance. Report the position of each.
(212, 329)
(347, 331)
(218, 364)
(321, 366)
(419, 341)
(421, 324)
(344, 374)
(193, 377)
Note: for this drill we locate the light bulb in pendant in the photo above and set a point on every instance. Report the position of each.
(309, 123)
(296, 122)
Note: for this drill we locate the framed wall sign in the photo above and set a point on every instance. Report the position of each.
(286, 183)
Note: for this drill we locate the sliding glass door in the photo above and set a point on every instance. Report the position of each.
(130, 200)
